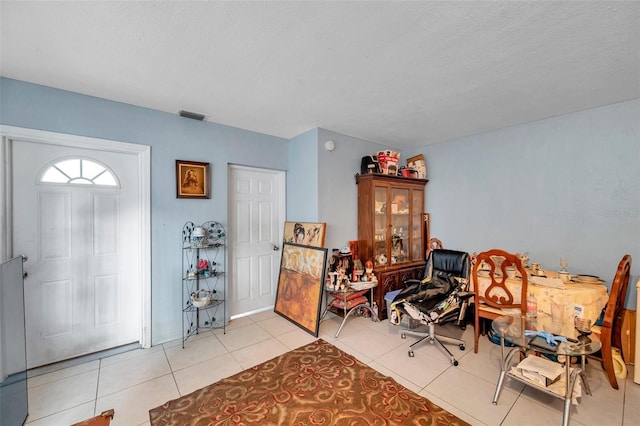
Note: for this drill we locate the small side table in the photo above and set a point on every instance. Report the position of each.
(347, 301)
(511, 328)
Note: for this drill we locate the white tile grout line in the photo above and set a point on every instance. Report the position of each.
(173, 374)
(95, 401)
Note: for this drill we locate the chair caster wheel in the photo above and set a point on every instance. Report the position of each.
(455, 363)
(462, 347)
(411, 354)
(403, 336)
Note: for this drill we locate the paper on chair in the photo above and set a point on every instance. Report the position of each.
(547, 282)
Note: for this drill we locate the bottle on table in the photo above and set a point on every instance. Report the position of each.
(532, 306)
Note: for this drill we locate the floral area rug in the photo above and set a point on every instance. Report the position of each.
(316, 384)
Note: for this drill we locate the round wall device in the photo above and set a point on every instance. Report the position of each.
(329, 145)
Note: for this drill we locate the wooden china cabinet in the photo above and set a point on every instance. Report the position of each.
(390, 230)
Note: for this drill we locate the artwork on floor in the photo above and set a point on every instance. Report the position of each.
(307, 233)
(192, 179)
(299, 294)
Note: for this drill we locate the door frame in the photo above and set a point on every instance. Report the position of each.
(143, 153)
(282, 208)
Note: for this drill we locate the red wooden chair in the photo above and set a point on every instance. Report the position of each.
(104, 419)
(433, 244)
(497, 297)
(611, 329)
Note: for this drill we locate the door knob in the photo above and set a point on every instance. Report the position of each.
(276, 248)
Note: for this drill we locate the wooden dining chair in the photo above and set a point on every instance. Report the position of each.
(611, 329)
(104, 419)
(497, 297)
(433, 244)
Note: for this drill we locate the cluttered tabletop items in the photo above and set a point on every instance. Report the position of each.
(557, 297)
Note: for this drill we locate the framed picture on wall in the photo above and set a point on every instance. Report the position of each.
(418, 164)
(192, 179)
(299, 294)
(307, 233)
(426, 220)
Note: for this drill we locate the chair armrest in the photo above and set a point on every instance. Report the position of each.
(465, 295)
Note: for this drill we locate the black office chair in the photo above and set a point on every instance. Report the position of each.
(441, 297)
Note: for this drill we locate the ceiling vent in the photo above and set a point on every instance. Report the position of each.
(192, 115)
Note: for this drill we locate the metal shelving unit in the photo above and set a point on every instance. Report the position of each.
(203, 278)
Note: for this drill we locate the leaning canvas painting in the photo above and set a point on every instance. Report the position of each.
(302, 274)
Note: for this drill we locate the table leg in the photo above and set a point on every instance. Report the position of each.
(327, 303)
(568, 391)
(583, 375)
(324, 314)
(505, 361)
(341, 325)
(566, 412)
(347, 312)
(571, 380)
(355, 309)
(374, 315)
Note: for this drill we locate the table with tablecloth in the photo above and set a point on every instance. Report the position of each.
(585, 300)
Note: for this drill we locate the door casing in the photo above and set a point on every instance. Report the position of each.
(143, 153)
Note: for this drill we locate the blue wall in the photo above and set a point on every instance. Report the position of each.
(564, 186)
(302, 178)
(338, 194)
(321, 185)
(171, 137)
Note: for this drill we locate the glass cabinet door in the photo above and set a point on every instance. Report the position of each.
(381, 227)
(417, 245)
(399, 225)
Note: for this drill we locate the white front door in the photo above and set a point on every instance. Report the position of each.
(82, 239)
(256, 212)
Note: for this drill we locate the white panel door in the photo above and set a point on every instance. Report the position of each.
(82, 291)
(256, 211)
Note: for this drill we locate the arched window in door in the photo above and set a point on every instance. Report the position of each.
(79, 171)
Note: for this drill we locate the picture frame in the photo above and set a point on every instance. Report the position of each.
(306, 233)
(426, 222)
(300, 285)
(419, 165)
(192, 179)
(429, 243)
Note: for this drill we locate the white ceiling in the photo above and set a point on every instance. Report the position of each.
(398, 73)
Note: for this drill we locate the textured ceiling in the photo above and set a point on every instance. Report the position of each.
(398, 73)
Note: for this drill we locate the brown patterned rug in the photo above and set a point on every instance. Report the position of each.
(316, 384)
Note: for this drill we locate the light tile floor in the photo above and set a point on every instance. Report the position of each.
(135, 381)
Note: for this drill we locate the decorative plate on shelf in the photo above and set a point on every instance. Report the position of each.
(214, 231)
